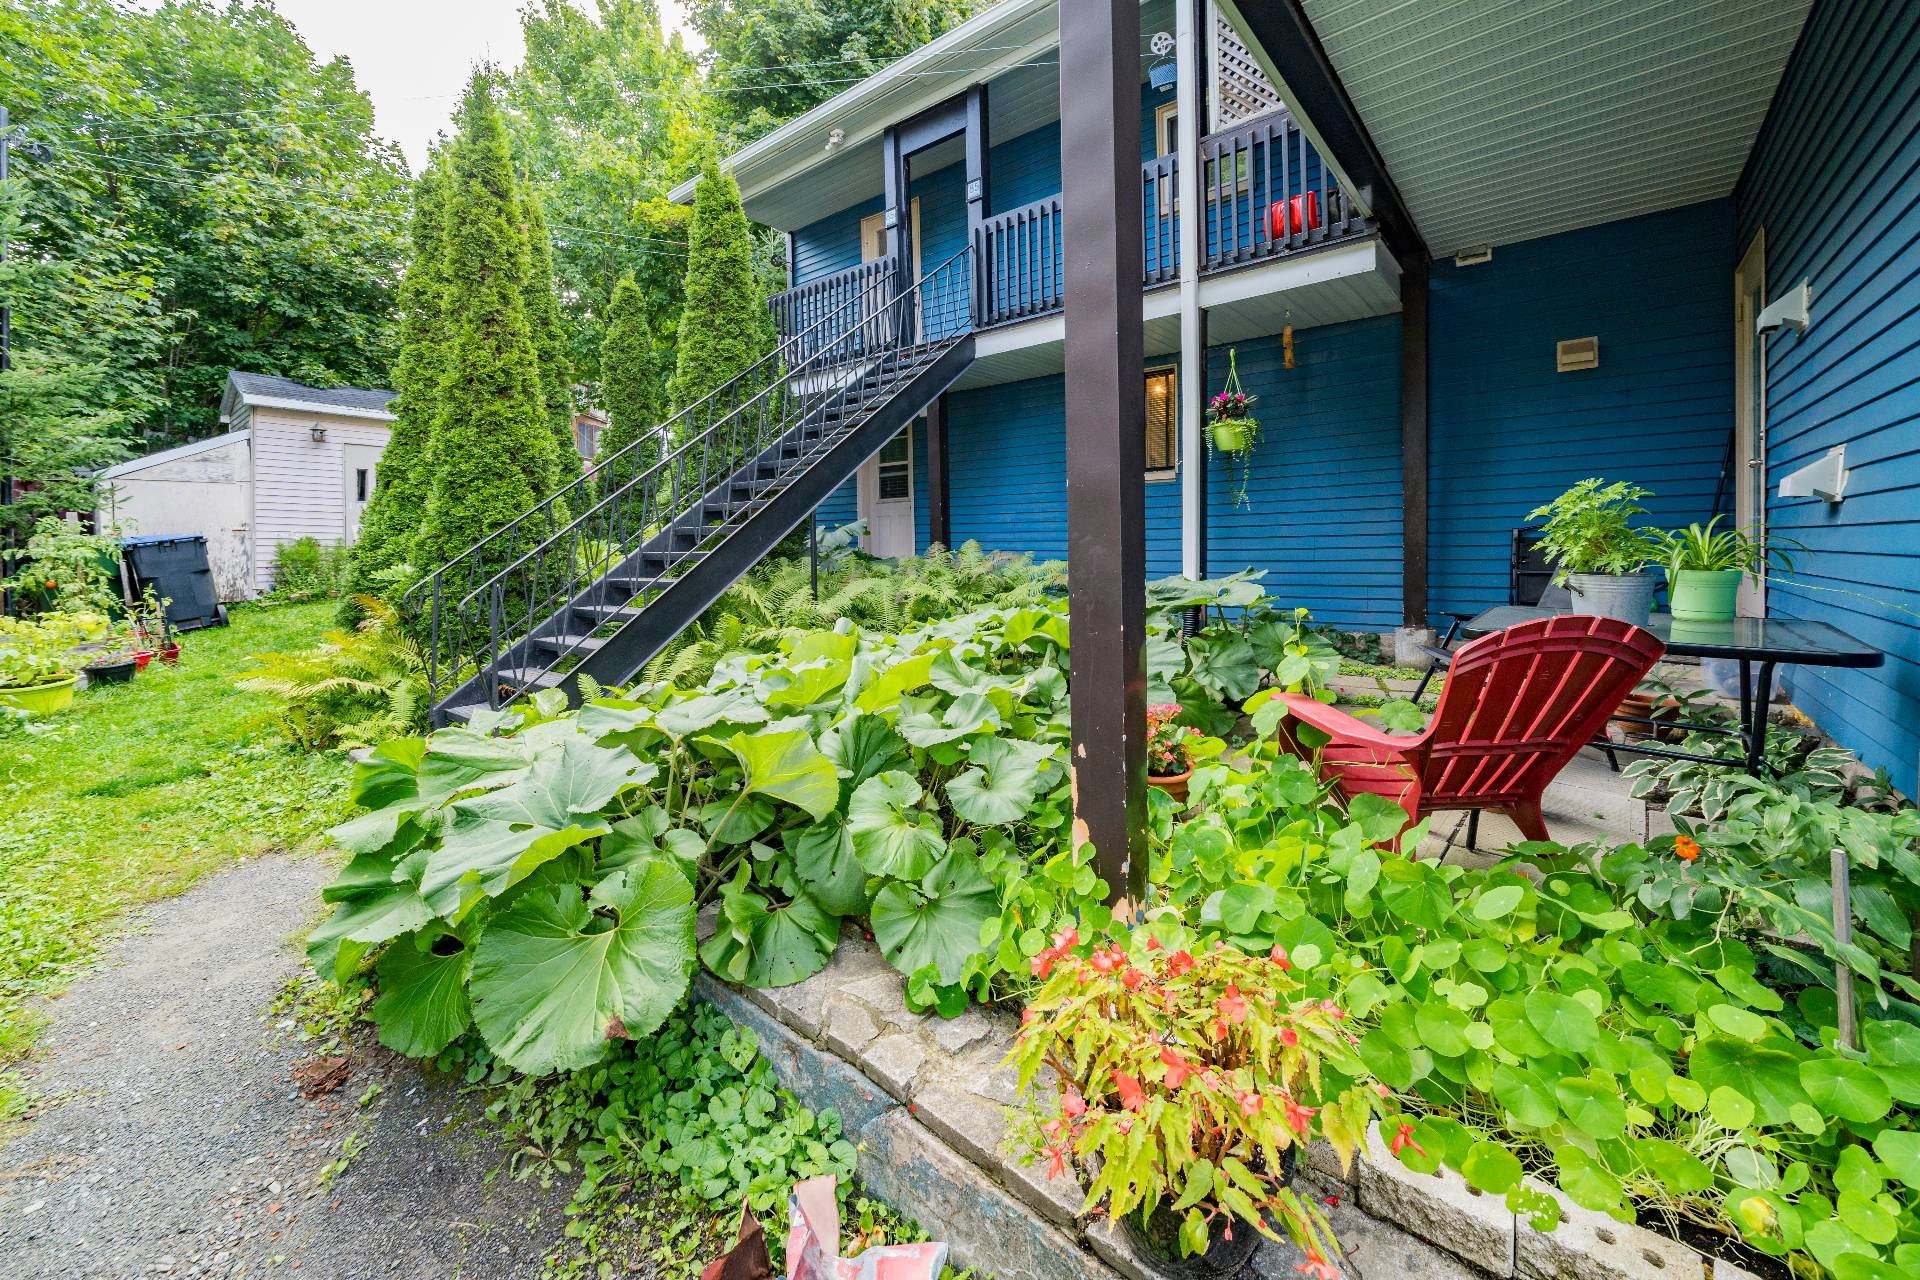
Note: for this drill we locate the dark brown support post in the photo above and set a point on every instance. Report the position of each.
(1106, 432)
(1413, 442)
(939, 510)
(979, 187)
(894, 184)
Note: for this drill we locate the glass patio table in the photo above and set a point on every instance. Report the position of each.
(1754, 643)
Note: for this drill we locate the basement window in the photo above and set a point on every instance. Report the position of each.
(1163, 424)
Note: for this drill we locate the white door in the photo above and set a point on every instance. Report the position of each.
(886, 498)
(1750, 414)
(357, 463)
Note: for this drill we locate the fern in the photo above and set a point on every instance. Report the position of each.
(355, 688)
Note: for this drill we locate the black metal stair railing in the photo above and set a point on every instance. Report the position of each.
(604, 545)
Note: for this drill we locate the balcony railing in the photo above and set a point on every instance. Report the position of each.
(1267, 195)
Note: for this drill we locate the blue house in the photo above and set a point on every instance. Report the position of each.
(1464, 255)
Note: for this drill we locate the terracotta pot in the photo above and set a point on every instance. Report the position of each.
(1174, 785)
(170, 654)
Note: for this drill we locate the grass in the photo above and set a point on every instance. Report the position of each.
(135, 793)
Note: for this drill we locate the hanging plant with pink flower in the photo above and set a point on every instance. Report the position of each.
(1187, 1083)
(1233, 428)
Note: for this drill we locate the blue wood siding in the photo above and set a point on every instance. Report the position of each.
(1834, 181)
(1323, 515)
(833, 243)
(1508, 432)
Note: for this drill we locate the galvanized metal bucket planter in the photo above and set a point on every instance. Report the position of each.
(1628, 597)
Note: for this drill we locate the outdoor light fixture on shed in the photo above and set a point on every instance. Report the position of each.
(1576, 353)
(317, 433)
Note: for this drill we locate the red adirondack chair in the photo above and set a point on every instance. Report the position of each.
(1516, 707)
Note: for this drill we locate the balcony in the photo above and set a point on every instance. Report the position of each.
(1267, 198)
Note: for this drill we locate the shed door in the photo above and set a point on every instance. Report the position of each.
(357, 462)
(886, 498)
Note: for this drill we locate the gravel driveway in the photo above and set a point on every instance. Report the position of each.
(174, 1140)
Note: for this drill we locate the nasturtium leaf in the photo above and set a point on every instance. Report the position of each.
(1899, 1150)
(1741, 984)
(1750, 1168)
(787, 766)
(1737, 1022)
(1562, 1021)
(1492, 1168)
(1729, 1107)
(1380, 819)
(1769, 1077)
(1484, 955)
(1442, 1029)
(1680, 1170)
(1595, 1109)
(1864, 1266)
(1389, 1061)
(1851, 1090)
(763, 945)
(824, 860)
(938, 921)
(1513, 1032)
(861, 745)
(423, 1004)
(1363, 873)
(1525, 1094)
(554, 977)
(1585, 1182)
(1867, 1219)
(1497, 901)
(1006, 776)
(1892, 1043)
(1414, 892)
(891, 835)
(1686, 1094)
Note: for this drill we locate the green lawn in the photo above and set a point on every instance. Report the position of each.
(137, 791)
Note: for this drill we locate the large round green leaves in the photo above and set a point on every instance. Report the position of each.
(1006, 776)
(1562, 1021)
(555, 977)
(423, 995)
(891, 836)
(787, 766)
(1851, 1090)
(936, 922)
(824, 860)
(763, 945)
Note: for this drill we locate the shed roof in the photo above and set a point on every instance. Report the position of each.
(179, 451)
(264, 390)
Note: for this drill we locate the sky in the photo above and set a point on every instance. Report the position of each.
(413, 56)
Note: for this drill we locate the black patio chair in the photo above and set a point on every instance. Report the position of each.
(1529, 582)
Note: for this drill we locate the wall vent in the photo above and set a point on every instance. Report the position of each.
(1576, 353)
(1474, 256)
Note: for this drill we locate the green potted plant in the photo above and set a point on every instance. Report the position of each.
(36, 672)
(1186, 1083)
(1169, 765)
(117, 658)
(1598, 553)
(1233, 428)
(1705, 566)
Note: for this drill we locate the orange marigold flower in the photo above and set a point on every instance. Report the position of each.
(1686, 848)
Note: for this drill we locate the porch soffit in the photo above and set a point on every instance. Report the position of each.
(1504, 120)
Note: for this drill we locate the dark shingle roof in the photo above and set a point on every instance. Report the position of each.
(266, 386)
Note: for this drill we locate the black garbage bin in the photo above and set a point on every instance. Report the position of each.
(177, 570)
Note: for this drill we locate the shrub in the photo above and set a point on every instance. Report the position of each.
(65, 569)
(724, 322)
(630, 388)
(308, 569)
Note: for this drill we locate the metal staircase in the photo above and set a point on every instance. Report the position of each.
(598, 578)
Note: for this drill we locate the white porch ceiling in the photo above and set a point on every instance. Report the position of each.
(1503, 120)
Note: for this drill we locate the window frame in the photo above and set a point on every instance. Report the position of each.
(1171, 372)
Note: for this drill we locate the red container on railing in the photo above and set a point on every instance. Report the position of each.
(1294, 215)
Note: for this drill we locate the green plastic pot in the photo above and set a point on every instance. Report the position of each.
(41, 699)
(1704, 595)
(1230, 435)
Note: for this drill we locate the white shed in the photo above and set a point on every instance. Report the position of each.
(297, 462)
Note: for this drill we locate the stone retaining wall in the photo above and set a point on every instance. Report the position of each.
(925, 1100)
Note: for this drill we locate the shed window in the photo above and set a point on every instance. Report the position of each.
(1163, 425)
(359, 484)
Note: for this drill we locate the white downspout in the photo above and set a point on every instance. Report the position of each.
(1189, 95)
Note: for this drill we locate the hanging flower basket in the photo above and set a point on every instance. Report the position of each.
(1233, 428)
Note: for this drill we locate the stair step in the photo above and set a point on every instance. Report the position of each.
(569, 643)
(464, 712)
(601, 614)
(529, 677)
(634, 584)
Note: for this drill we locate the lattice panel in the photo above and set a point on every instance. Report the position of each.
(1244, 90)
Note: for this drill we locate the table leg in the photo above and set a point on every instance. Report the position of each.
(1754, 711)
